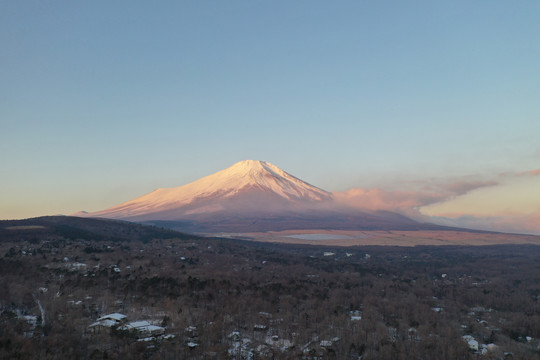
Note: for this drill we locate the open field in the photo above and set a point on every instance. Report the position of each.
(390, 238)
(25, 227)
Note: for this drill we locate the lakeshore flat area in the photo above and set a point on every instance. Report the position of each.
(389, 238)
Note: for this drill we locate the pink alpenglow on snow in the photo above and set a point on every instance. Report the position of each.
(248, 184)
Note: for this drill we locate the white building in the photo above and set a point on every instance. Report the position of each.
(143, 328)
(107, 321)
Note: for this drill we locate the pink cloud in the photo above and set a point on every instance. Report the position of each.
(531, 172)
(407, 202)
(378, 199)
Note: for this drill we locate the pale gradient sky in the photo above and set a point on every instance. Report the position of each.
(104, 101)
(516, 197)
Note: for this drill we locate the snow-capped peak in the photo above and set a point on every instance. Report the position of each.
(249, 176)
(266, 176)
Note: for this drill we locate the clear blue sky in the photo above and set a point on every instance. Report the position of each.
(103, 101)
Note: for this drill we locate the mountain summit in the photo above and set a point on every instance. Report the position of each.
(257, 175)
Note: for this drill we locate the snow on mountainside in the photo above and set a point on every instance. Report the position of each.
(247, 185)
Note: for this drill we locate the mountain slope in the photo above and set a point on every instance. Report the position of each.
(245, 187)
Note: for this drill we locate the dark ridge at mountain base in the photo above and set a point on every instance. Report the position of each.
(70, 227)
(296, 221)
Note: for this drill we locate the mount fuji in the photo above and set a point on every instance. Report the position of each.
(250, 196)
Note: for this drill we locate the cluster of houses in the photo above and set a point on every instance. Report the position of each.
(143, 330)
(479, 349)
(244, 347)
(31, 321)
(192, 337)
(264, 342)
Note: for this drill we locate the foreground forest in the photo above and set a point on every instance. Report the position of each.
(205, 298)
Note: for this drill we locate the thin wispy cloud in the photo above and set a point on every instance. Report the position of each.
(529, 224)
(535, 172)
(510, 174)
